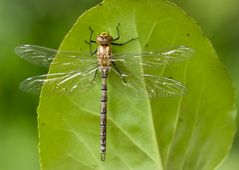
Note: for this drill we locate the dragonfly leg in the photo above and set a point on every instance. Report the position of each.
(119, 72)
(118, 34)
(118, 37)
(120, 44)
(90, 42)
(94, 76)
(92, 52)
(91, 33)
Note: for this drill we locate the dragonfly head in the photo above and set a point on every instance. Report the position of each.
(104, 38)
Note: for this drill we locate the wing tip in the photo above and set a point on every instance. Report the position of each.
(21, 48)
(33, 88)
(188, 52)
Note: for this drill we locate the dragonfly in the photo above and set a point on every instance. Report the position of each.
(88, 68)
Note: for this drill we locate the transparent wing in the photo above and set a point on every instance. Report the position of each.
(154, 58)
(43, 56)
(162, 86)
(147, 85)
(72, 82)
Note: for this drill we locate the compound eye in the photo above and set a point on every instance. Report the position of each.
(99, 39)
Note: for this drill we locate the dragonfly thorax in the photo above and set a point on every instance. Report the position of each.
(104, 53)
(104, 38)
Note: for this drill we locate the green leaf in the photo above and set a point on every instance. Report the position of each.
(193, 132)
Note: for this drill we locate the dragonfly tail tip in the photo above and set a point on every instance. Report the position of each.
(102, 156)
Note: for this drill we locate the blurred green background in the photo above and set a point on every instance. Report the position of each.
(45, 23)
